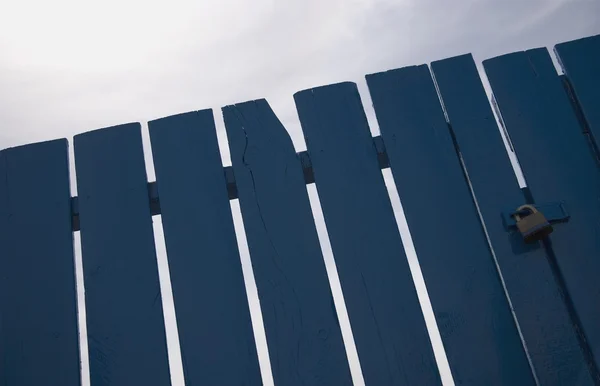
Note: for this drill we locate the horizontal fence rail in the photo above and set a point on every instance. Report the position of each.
(232, 190)
(508, 312)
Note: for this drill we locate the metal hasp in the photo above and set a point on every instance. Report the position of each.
(554, 212)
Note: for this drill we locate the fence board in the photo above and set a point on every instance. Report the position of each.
(126, 333)
(438, 204)
(535, 296)
(303, 334)
(558, 165)
(38, 301)
(580, 60)
(386, 319)
(213, 317)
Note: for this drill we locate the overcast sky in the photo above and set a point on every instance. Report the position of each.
(69, 66)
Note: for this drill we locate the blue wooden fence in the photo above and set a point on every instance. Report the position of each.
(509, 313)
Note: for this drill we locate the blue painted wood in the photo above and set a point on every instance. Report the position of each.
(126, 333)
(384, 311)
(536, 298)
(303, 334)
(38, 301)
(558, 165)
(438, 204)
(580, 60)
(213, 318)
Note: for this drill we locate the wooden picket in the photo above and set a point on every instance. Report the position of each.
(580, 60)
(38, 309)
(126, 333)
(536, 298)
(383, 308)
(204, 261)
(509, 313)
(303, 334)
(558, 165)
(458, 268)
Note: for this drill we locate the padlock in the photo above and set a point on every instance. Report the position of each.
(533, 226)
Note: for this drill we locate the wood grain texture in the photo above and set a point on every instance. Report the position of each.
(213, 318)
(558, 165)
(126, 331)
(38, 301)
(580, 60)
(536, 297)
(302, 329)
(384, 311)
(478, 330)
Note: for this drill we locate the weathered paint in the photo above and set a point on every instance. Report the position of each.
(303, 334)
